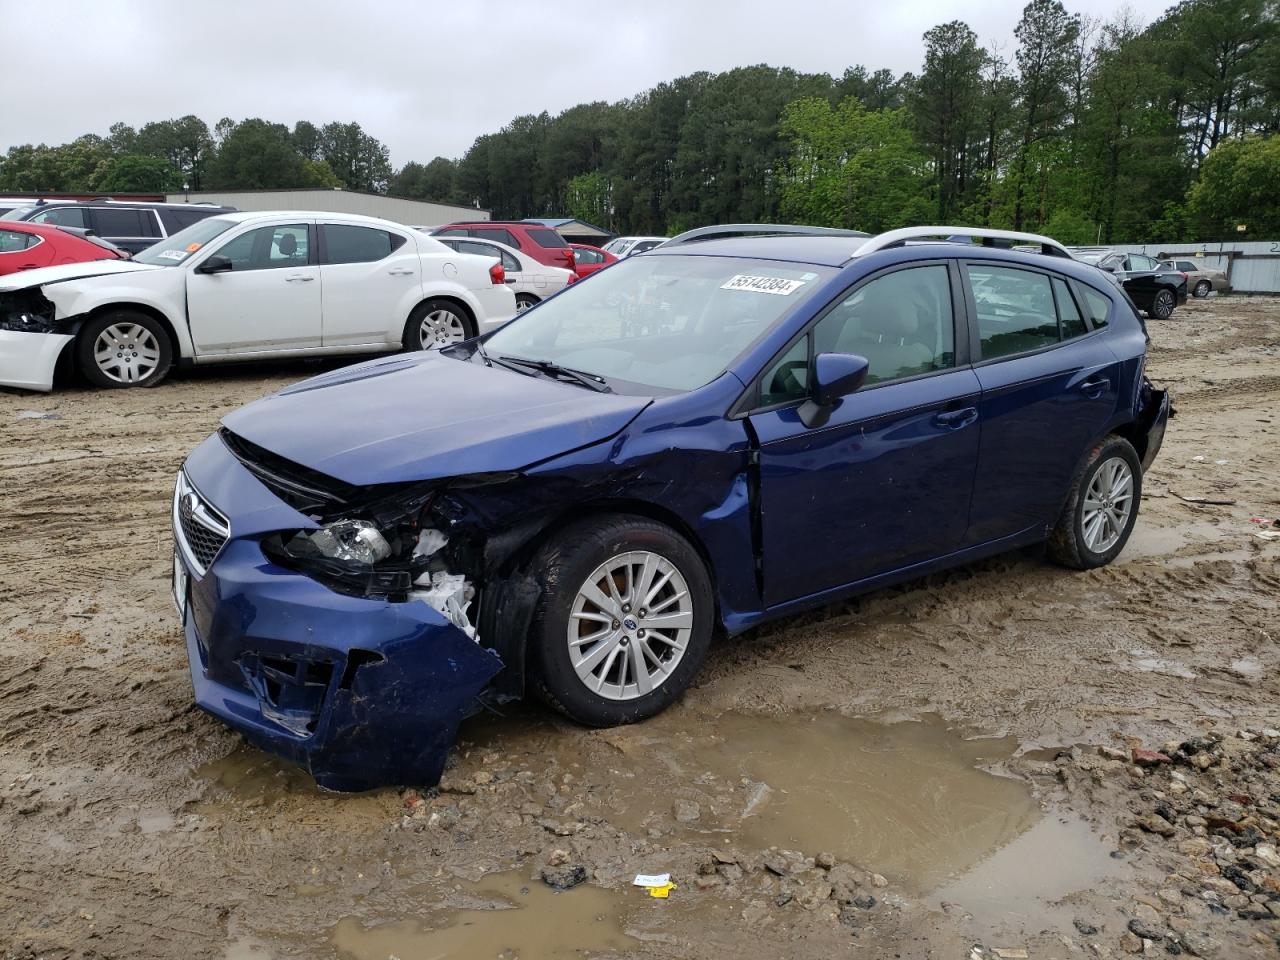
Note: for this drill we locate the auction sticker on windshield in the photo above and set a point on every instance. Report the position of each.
(774, 285)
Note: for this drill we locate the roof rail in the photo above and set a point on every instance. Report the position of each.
(726, 230)
(881, 241)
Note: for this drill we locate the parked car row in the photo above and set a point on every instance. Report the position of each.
(30, 246)
(531, 281)
(1156, 289)
(132, 226)
(247, 286)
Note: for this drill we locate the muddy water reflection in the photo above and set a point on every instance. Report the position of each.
(506, 916)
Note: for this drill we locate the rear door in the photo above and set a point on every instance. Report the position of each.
(885, 482)
(1050, 386)
(268, 301)
(371, 279)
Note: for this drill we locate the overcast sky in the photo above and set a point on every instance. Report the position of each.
(426, 78)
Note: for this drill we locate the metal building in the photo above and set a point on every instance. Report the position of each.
(1252, 266)
(397, 209)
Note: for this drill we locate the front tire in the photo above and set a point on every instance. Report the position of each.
(624, 620)
(1202, 289)
(1101, 509)
(437, 323)
(123, 349)
(1162, 304)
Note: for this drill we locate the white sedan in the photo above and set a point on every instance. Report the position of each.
(531, 281)
(247, 286)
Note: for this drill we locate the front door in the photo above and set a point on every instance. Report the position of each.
(1050, 385)
(885, 482)
(269, 300)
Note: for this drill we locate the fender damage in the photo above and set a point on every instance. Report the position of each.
(33, 334)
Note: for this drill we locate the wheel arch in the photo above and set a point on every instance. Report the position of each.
(518, 587)
(452, 297)
(175, 342)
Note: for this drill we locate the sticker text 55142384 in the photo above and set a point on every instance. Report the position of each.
(774, 285)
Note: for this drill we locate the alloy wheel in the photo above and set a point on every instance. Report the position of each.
(441, 328)
(1107, 505)
(1164, 304)
(126, 352)
(630, 625)
(1202, 289)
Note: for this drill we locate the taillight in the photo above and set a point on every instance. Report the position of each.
(1183, 276)
(497, 275)
(572, 264)
(573, 278)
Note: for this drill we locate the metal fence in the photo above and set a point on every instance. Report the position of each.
(1252, 266)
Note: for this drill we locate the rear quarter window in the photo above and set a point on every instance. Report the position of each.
(496, 234)
(548, 238)
(1099, 307)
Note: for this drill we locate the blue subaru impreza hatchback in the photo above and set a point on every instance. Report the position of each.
(728, 429)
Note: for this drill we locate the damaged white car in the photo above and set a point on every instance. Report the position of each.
(247, 286)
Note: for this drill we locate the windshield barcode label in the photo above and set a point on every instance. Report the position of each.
(775, 285)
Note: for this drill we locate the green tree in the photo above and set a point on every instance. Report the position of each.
(1239, 184)
(853, 167)
(138, 174)
(589, 198)
(256, 155)
(945, 105)
(361, 162)
(186, 143)
(435, 181)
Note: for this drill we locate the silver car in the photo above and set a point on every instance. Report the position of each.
(1200, 279)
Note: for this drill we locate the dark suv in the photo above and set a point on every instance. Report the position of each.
(132, 226)
(541, 243)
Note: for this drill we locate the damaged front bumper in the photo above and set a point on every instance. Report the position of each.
(28, 360)
(359, 692)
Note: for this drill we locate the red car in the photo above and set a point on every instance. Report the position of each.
(589, 259)
(28, 246)
(532, 239)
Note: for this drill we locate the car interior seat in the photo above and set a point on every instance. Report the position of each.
(883, 327)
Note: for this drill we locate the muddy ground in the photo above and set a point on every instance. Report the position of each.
(939, 770)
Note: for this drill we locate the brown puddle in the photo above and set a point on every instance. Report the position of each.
(505, 915)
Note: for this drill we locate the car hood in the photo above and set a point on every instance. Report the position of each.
(72, 271)
(425, 416)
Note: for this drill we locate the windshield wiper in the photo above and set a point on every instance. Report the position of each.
(555, 370)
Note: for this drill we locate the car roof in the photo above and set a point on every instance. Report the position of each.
(245, 216)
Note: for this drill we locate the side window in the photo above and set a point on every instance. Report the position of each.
(348, 244)
(63, 217)
(1015, 310)
(1187, 266)
(497, 234)
(455, 232)
(903, 323)
(268, 248)
(112, 222)
(478, 249)
(509, 263)
(11, 241)
(546, 237)
(788, 379)
(1069, 318)
(1099, 307)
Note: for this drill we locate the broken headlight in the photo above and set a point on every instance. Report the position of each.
(351, 541)
(27, 311)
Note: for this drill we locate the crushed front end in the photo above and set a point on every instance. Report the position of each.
(319, 621)
(32, 338)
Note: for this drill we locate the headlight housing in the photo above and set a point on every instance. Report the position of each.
(350, 541)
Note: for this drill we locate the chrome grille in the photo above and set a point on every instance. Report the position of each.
(198, 528)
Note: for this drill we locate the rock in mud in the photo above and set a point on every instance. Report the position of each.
(864, 902)
(1150, 758)
(1085, 929)
(826, 861)
(1154, 823)
(564, 877)
(1140, 928)
(686, 811)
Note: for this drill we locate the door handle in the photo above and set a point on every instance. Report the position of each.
(1094, 387)
(400, 273)
(298, 278)
(955, 419)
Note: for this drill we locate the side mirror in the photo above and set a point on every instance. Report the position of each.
(214, 264)
(835, 375)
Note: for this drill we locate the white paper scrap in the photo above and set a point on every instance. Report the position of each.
(651, 879)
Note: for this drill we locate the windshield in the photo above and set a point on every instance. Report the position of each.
(659, 323)
(179, 246)
(18, 213)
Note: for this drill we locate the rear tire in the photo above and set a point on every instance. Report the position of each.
(437, 323)
(524, 301)
(1202, 289)
(1101, 509)
(124, 348)
(585, 656)
(1162, 304)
